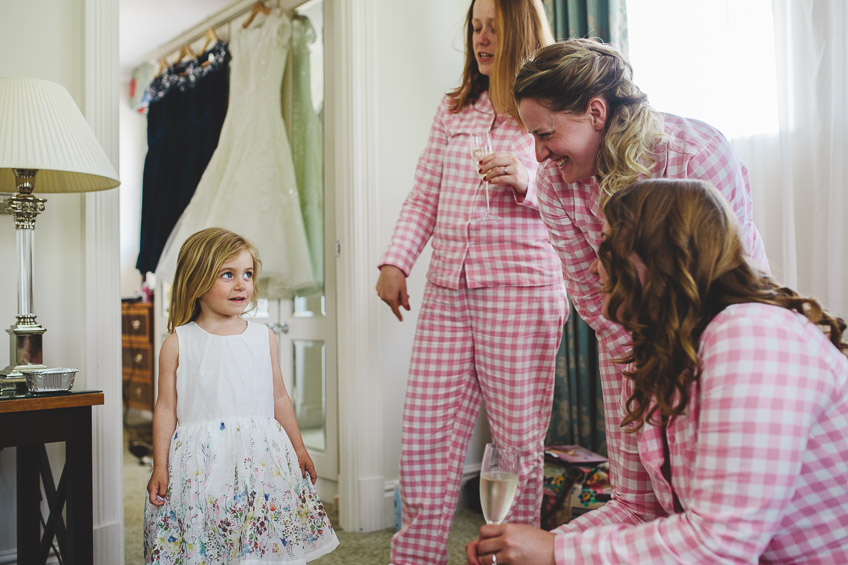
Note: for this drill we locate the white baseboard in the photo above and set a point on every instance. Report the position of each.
(109, 544)
(468, 472)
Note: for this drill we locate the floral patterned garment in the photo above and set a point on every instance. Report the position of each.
(265, 513)
(235, 492)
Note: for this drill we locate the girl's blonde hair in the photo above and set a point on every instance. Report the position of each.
(522, 27)
(564, 76)
(688, 238)
(198, 263)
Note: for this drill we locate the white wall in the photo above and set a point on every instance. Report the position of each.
(44, 39)
(72, 42)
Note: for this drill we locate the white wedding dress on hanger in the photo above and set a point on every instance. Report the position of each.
(249, 186)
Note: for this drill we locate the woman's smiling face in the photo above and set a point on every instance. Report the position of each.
(571, 140)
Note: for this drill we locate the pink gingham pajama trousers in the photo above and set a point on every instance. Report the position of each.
(498, 343)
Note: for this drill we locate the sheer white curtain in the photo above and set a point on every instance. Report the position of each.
(773, 77)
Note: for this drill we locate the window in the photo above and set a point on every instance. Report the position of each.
(709, 60)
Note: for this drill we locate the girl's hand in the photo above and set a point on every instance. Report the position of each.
(306, 465)
(391, 288)
(511, 544)
(158, 486)
(502, 167)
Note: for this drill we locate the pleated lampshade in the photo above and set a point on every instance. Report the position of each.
(42, 128)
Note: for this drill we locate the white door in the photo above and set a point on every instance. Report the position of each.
(305, 328)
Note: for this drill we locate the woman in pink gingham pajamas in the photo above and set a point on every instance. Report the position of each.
(597, 134)
(736, 404)
(494, 304)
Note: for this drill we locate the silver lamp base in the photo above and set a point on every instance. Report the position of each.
(25, 354)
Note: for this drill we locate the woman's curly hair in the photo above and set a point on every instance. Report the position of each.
(688, 239)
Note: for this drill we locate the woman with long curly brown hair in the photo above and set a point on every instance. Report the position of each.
(736, 404)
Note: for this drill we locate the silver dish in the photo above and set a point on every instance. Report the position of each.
(50, 380)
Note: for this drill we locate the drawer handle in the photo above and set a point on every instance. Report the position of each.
(139, 358)
(139, 391)
(135, 324)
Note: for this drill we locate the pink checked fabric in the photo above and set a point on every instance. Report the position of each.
(758, 461)
(490, 322)
(574, 220)
(494, 343)
(448, 193)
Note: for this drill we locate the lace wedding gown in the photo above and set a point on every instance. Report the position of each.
(249, 186)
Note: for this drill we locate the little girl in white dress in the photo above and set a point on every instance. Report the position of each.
(231, 476)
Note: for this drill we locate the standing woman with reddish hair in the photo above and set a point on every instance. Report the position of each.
(494, 304)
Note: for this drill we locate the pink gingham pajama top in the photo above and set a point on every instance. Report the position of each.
(448, 193)
(490, 322)
(758, 461)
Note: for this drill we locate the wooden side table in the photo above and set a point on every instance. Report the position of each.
(28, 422)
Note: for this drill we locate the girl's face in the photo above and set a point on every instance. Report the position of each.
(483, 37)
(572, 140)
(603, 277)
(232, 290)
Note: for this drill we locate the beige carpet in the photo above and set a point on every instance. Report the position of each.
(354, 548)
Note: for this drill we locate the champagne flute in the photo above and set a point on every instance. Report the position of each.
(498, 481)
(480, 145)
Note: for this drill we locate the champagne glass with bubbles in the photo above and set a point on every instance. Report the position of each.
(498, 481)
(480, 145)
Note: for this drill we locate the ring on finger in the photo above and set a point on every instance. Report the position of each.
(494, 559)
(506, 170)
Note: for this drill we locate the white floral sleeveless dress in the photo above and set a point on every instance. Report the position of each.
(235, 493)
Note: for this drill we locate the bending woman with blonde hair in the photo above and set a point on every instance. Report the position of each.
(494, 304)
(735, 404)
(596, 133)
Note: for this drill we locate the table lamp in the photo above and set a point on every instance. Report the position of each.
(45, 146)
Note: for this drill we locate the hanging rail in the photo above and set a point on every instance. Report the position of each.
(221, 18)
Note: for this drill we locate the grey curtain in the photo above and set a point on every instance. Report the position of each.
(577, 416)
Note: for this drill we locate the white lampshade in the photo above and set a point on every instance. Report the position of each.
(42, 128)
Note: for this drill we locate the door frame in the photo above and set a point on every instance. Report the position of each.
(351, 150)
(102, 323)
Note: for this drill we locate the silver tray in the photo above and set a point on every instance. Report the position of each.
(50, 380)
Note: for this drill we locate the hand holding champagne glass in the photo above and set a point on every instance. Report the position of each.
(498, 481)
(480, 145)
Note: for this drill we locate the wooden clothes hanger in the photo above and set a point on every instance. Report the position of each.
(211, 38)
(186, 51)
(254, 10)
(162, 66)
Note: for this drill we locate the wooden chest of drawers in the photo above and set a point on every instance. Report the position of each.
(137, 353)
